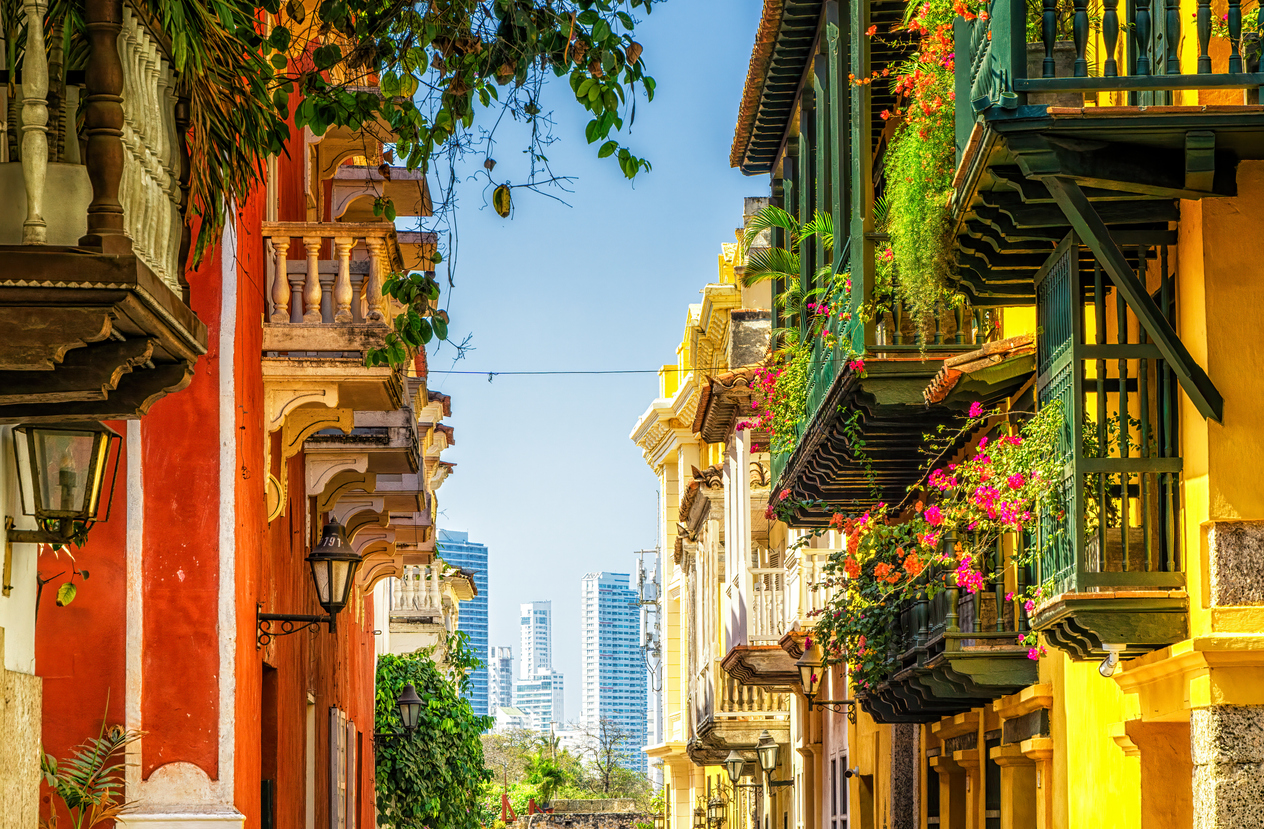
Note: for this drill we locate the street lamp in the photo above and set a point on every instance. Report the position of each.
(766, 750)
(334, 563)
(660, 821)
(811, 667)
(409, 705)
(716, 812)
(61, 478)
(735, 765)
(699, 818)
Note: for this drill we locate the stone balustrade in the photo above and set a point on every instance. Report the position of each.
(339, 280)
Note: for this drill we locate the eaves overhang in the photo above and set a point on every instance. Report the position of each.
(783, 49)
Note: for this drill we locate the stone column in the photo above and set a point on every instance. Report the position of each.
(971, 760)
(1227, 749)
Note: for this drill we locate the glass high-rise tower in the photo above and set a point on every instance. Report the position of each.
(614, 672)
(538, 691)
(457, 550)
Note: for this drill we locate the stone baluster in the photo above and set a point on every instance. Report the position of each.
(377, 257)
(35, 123)
(312, 294)
(103, 124)
(397, 590)
(281, 280)
(342, 287)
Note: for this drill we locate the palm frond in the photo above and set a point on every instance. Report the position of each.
(881, 208)
(766, 219)
(771, 263)
(822, 227)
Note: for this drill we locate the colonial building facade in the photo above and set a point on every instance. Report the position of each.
(245, 432)
(1100, 227)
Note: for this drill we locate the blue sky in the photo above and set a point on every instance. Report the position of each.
(546, 475)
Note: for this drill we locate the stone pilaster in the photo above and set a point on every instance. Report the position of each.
(904, 762)
(1227, 746)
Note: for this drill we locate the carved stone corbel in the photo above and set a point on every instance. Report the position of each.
(321, 469)
(348, 482)
(298, 426)
(280, 399)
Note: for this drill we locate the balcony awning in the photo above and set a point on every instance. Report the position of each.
(722, 401)
(783, 48)
(978, 374)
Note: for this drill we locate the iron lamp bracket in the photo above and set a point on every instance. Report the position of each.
(837, 706)
(287, 623)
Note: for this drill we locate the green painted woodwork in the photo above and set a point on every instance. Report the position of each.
(991, 60)
(1117, 526)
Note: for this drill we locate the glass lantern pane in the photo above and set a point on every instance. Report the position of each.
(321, 572)
(22, 451)
(341, 570)
(62, 462)
(98, 480)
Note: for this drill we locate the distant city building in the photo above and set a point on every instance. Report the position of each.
(539, 689)
(613, 666)
(537, 639)
(541, 699)
(509, 718)
(500, 678)
(457, 550)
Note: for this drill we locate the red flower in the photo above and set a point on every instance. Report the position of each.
(871, 31)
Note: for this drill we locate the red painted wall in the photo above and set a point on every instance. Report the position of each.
(81, 649)
(180, 692)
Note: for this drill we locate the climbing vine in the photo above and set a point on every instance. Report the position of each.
(430, 779)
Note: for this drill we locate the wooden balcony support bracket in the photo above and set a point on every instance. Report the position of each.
(356, 511)
(1090, 228)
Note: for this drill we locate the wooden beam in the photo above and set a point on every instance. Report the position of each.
(1092, 230)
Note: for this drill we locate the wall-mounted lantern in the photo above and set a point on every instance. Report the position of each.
(812, 667)
(63, 470)
(334, 564)
(62, 477)
(409, 705)
(767, 752)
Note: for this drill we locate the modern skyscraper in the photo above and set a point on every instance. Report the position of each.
(457, 550)
(500, 679)
(539, 689)
(537, 638)
(614, 673)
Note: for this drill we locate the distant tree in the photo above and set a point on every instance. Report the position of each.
(609, 748)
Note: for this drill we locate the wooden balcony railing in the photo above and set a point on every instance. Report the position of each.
(133, 163)
(1135, 50)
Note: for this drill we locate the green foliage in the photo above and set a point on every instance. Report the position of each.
(90, 782)
(416, 325)
(894, 556)
(433, 777)
(546, 775)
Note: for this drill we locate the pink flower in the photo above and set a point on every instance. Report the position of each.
(1009, 597)
(983, 441)
(1029, 606)
(1033, 654)
(1015, 481)
(857, 365)
(976, 409)
(933, 516)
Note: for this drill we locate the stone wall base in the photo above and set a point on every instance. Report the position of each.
(1227, 748)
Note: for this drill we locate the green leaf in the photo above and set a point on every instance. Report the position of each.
(607, 149)
(279, 61)
(280, 38)
(66, 594)
(440, 327)
(600, 30)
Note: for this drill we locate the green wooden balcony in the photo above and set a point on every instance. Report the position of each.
(1135, 50)
(955, 651)
(1111, 564)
